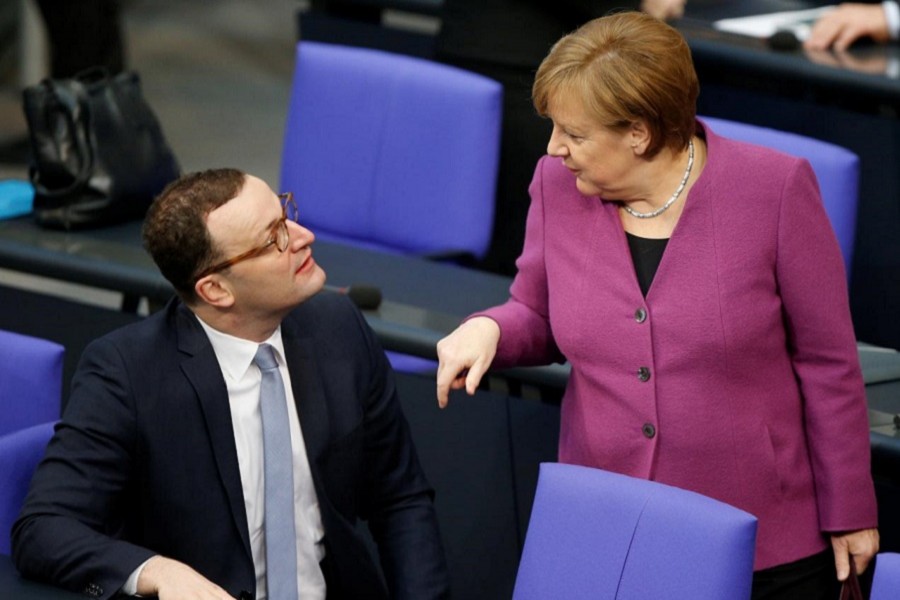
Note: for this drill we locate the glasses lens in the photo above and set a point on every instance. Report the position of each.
(282, 236)
(290, 208)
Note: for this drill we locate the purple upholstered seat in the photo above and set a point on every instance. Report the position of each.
(836, 168)
(30, 381)
(392, 153)
(601, 536)
(20, 453)
(886, 584)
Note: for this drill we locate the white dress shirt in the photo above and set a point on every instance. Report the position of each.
(242, 379)
(892, 14)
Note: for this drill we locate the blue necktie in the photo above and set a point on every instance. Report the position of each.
(281, 537)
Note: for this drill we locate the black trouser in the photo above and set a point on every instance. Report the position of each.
(83, 34)
(810, 578)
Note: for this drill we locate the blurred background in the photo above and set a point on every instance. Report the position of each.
(217, 74)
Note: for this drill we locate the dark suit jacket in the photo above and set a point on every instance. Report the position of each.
(144, 462)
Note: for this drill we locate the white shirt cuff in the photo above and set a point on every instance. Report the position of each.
(892, 14)
(130, 587)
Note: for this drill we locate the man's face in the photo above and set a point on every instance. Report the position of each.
(272, 282)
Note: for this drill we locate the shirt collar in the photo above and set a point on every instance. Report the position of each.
(235, 355)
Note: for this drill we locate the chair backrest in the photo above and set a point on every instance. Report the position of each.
(30, 381)
(600, 535)
(836, 168)
(392, 152)
(20, 453)
(886, 582)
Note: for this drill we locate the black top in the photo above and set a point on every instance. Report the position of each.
(645, 254)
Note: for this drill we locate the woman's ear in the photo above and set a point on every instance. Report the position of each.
(639, 135)
(214, 290)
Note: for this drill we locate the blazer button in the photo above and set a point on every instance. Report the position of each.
(640, 315)
(648, 430)
(643, 374)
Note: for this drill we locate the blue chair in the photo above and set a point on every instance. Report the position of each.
(393, 153)
(599, 535)
(30, 381)
(886, 582)
(20, 453)
(836, 168)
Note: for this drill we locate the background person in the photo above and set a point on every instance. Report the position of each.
(696, 288)
(83, 34)
(154, 481)
(852, 21)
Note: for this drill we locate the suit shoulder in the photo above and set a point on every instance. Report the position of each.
(147, 335)
(327, 314)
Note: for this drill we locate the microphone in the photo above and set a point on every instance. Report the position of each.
(784, 39)
(365, 297)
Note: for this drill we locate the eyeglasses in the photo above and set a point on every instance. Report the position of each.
(279, 237)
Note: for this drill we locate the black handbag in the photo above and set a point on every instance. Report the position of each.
(99, 156)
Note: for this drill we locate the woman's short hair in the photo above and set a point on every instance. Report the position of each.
(625, 67)
(175, 231)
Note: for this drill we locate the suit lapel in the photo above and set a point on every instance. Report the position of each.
(309, 393)
(201, 368)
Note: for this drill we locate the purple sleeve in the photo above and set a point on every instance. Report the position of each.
(525, 333)
(813, 288)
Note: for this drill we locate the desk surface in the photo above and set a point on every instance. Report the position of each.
(112, 258)
(860, 71)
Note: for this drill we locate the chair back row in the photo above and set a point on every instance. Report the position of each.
(391, 152)
(30, 381)
(20, 453)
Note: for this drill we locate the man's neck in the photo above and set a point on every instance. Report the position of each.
(255, 328)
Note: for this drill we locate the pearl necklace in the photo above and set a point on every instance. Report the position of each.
(670, 201)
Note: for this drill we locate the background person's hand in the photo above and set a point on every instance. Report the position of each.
(847, 23)
(861, 545)
(664, 9)
(172, 580)
(465, 355)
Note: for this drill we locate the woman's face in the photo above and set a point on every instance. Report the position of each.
(603, 160)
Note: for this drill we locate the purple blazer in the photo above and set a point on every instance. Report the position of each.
(736, 377)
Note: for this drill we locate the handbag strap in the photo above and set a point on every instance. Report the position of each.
(851, 589)
(71, 101)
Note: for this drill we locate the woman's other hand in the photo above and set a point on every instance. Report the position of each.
(465, 355)
(861, 545)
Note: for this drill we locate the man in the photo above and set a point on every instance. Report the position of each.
(852, 21)
(154, 482)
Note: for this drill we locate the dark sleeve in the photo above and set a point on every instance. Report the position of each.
(399, 500)
(66, 530)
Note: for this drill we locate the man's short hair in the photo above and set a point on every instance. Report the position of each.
(175, 232)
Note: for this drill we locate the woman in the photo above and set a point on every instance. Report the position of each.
(506, 40)
(681, 274)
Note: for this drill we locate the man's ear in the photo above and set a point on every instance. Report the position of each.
(214, 290)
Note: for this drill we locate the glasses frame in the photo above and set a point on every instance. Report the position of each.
(287, 202)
